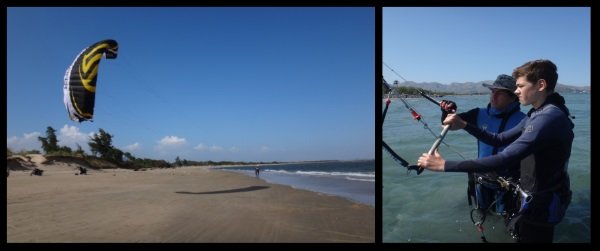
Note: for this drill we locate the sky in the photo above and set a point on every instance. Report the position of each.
(471, 44)
(221, 84)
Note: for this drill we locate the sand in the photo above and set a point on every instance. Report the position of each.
(189, 204)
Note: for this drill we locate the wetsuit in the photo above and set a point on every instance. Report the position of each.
(542, 144)
(483, 187)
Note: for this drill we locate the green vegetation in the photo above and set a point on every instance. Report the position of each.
(178, 162)
(49, 143)
(105, 155)
(101, 144)
(11, 153)
(409, 90)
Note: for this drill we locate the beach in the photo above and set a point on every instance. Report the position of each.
(188, 204)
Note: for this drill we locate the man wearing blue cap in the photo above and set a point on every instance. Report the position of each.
(502, 113)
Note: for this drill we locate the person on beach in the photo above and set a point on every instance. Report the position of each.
(501, 114)
(36, 171)
(82, 170)
(541, 142)
(257, 171)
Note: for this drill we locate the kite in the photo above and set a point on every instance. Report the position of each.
(80, 79)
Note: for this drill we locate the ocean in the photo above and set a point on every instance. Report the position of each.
(433, 208)
(353, 180)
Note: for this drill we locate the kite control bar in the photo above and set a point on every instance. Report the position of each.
(429, 98)
(435, 145)
(439, 139)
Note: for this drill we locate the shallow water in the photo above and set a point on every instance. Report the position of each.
(353, 180)
(432, 207)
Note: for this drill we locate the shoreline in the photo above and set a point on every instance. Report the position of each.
(345, 179)
(188, 204)
(304, 183)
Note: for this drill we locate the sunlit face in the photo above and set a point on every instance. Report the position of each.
(499, 99)
(529, 93)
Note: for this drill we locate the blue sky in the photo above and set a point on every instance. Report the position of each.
(239, 84)
(470, 44)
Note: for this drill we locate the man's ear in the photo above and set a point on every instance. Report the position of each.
(542, 85)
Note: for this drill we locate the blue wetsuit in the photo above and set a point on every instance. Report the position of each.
(542, 144)
(496, 121)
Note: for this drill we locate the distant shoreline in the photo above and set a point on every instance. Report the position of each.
(25, 162)
(291, 163)
(385, 96)
(433, 96)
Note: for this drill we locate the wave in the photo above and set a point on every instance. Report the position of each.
(368, 180)
(321, 173)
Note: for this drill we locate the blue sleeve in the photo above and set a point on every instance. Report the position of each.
(496, 139)
(534, 130)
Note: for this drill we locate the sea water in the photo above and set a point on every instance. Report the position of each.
(432, 207)
(353, 180)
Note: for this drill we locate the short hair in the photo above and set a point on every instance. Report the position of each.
(538, 69)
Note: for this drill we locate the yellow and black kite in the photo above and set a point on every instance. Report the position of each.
(80, 79)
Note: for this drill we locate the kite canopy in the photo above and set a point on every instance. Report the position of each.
(80, 79)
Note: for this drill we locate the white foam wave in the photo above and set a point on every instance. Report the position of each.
(369, 180)
(319, 173)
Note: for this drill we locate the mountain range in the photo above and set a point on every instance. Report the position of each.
(478, 88)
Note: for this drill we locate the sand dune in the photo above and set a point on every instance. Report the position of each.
(190, 204)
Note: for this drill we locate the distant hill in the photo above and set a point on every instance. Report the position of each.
(478, 88)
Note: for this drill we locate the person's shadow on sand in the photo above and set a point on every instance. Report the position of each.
(237, 190)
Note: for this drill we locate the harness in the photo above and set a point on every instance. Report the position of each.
(492, 180)
(489, 179)
(511, 218)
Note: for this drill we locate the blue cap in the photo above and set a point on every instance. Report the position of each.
(504, 82)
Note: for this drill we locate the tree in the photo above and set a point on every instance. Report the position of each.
(65, 149)
(101, 143)
(115, 155)
(129, 156)
(49, 143)
(79, 150)
(178, 162)
(161, 163)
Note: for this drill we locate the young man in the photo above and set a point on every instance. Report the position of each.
(501, 114)
(541, 143)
